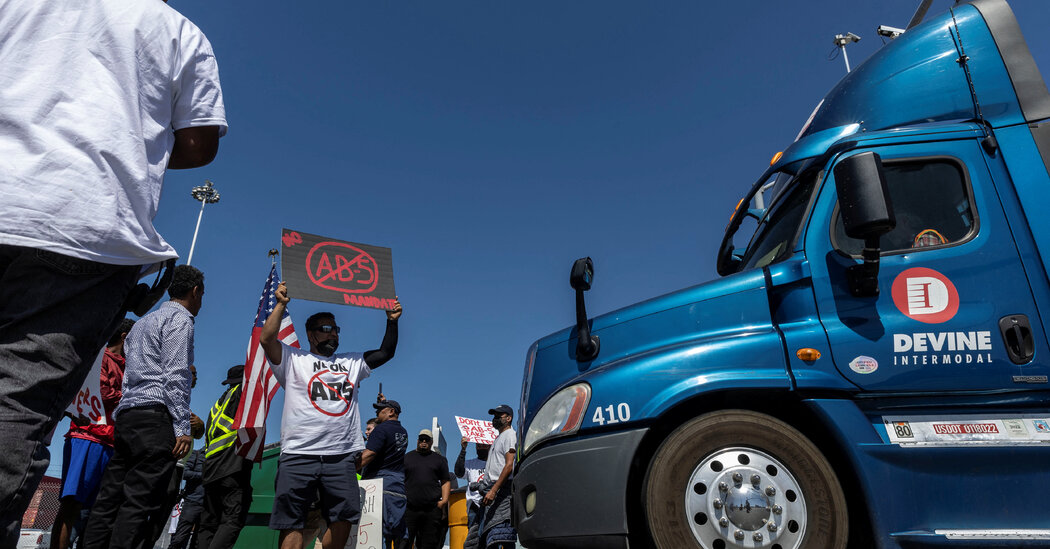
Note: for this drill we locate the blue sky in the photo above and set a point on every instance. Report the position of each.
(490, 144)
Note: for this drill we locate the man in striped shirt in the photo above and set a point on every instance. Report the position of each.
(153, 418)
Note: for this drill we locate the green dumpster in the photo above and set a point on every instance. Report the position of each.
(256, 533)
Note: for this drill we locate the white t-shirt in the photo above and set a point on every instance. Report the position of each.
(504, 443)
(91, 92)
(320, 401)
(473, 471)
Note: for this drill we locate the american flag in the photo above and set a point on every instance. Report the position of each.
(259, 384)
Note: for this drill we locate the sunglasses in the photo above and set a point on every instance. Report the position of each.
(328, 329)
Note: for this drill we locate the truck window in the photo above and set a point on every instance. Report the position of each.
(931, 200)
(776, 233)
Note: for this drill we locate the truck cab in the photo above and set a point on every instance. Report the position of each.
(870, 370)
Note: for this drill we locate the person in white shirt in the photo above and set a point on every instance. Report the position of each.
(496, 529)
(320, 425)
(98, 98)
(473, 471)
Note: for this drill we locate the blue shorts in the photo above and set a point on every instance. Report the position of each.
(83, 463)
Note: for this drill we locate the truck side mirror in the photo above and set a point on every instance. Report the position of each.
(867, 214)
(582, 274)
(580, 279)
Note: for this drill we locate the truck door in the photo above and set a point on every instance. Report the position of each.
(953, 294)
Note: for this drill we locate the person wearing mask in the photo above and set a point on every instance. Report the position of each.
(427, 489)
(472, 471)
(320, 423)
(152, 420)
(99, 100)
(496, 529)
(384, 457)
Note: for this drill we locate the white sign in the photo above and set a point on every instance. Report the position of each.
(476, 430)
(1016, 430)
(176, 512)
(88, 402)
(370, 530)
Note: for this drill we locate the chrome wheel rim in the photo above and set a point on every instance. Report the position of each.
(743, 497)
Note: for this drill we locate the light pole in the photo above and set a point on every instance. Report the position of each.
(841, 40)
(207, 195)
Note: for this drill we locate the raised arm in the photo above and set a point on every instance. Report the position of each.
(268, 337)
(385, 352)
(460, 468)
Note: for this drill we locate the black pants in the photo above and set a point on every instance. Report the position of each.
(226, 503)
(424, 527)
(136, 480)
(56, 313)
(189, 520)
(158, 520)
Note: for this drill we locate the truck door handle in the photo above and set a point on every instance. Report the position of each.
(1017, 335)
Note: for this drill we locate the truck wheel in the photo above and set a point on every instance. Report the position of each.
(738, 478)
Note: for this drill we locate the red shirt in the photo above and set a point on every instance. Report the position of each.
(110, 385)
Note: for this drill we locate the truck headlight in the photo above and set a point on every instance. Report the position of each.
(561, 415)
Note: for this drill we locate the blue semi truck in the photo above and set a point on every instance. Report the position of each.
(871, 369)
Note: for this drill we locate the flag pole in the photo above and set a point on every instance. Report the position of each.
(273, 253)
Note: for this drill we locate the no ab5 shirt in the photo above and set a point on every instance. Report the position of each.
(320, 401)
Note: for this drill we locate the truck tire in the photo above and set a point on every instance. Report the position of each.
(740, 478)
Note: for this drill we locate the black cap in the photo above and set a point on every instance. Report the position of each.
(234, 375)
(501, 409)
(388, 404)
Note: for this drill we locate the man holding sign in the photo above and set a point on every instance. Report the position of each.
(89, 444)
(473, 471)
(320, 426)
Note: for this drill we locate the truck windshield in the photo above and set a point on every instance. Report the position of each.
(775, 234)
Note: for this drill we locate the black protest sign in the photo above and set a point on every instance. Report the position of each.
(319, 268)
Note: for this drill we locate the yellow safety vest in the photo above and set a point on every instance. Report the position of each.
(221, 434)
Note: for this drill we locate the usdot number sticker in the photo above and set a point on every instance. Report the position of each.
(613, 413)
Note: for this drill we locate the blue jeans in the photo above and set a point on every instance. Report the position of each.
(473, 514)
(394, 504)
(56, 313)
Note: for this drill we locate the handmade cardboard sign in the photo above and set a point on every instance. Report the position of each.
(88, 403)
(476, 430)
(369, 533)
(324, 269)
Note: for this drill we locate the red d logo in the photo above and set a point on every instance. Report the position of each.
(925, 295)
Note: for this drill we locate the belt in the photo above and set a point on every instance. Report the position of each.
(147, 408)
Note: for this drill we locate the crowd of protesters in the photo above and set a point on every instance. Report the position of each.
(126, 470)
(123, 471)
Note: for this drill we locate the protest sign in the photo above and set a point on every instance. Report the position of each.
(88, 402)
(476, 430)
(176, 512)
(370, 529)
(319, 268)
